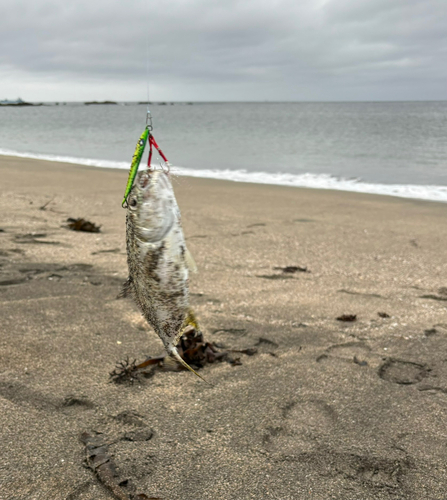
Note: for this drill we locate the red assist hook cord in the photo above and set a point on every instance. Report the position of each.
(153, 143)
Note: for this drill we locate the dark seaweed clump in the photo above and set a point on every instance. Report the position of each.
(192, 348)
(82, 225)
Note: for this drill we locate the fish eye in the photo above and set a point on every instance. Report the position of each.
(133, 203)
(141, 142)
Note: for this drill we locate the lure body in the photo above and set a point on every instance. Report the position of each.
(136, 159)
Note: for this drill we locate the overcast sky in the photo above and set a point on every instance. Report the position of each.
(223, 50)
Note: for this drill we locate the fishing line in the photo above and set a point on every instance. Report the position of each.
(146, 138)
(147, 70)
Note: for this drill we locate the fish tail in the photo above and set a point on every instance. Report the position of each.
(174, 353)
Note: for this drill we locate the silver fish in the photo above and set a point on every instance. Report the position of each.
(158, 260)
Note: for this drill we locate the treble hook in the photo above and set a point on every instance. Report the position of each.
(166, 167)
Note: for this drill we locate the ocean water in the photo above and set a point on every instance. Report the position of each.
(394, 148)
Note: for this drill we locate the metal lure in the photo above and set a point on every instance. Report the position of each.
(136, 159)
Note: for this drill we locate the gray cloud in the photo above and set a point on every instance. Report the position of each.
(233, 50)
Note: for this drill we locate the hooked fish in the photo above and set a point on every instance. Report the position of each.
(158, 260)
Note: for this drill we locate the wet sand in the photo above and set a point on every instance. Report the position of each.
(326, 410)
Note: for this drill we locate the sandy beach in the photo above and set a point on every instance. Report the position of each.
(326, 409)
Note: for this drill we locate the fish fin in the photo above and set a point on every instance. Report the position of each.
(190, 262)
(190, 320)
(126, 289)
(174, 353)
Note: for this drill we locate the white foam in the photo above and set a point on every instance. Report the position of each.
(67, 159)
(308, 180)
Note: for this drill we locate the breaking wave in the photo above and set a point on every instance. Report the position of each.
(307, 180)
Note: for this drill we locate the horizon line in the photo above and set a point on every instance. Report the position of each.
(189, 101)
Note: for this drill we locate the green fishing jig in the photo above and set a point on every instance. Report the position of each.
(136, 159)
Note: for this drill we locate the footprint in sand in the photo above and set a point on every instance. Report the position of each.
(403, 372)
(302, 422)
(356, 352)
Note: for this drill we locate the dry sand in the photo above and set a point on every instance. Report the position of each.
(325, 410)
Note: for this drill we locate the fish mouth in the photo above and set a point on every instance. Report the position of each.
(153, 179)
(144, 181)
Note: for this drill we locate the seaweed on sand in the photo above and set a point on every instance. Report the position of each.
(192, 348)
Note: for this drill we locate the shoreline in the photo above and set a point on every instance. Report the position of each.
(435, 193)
